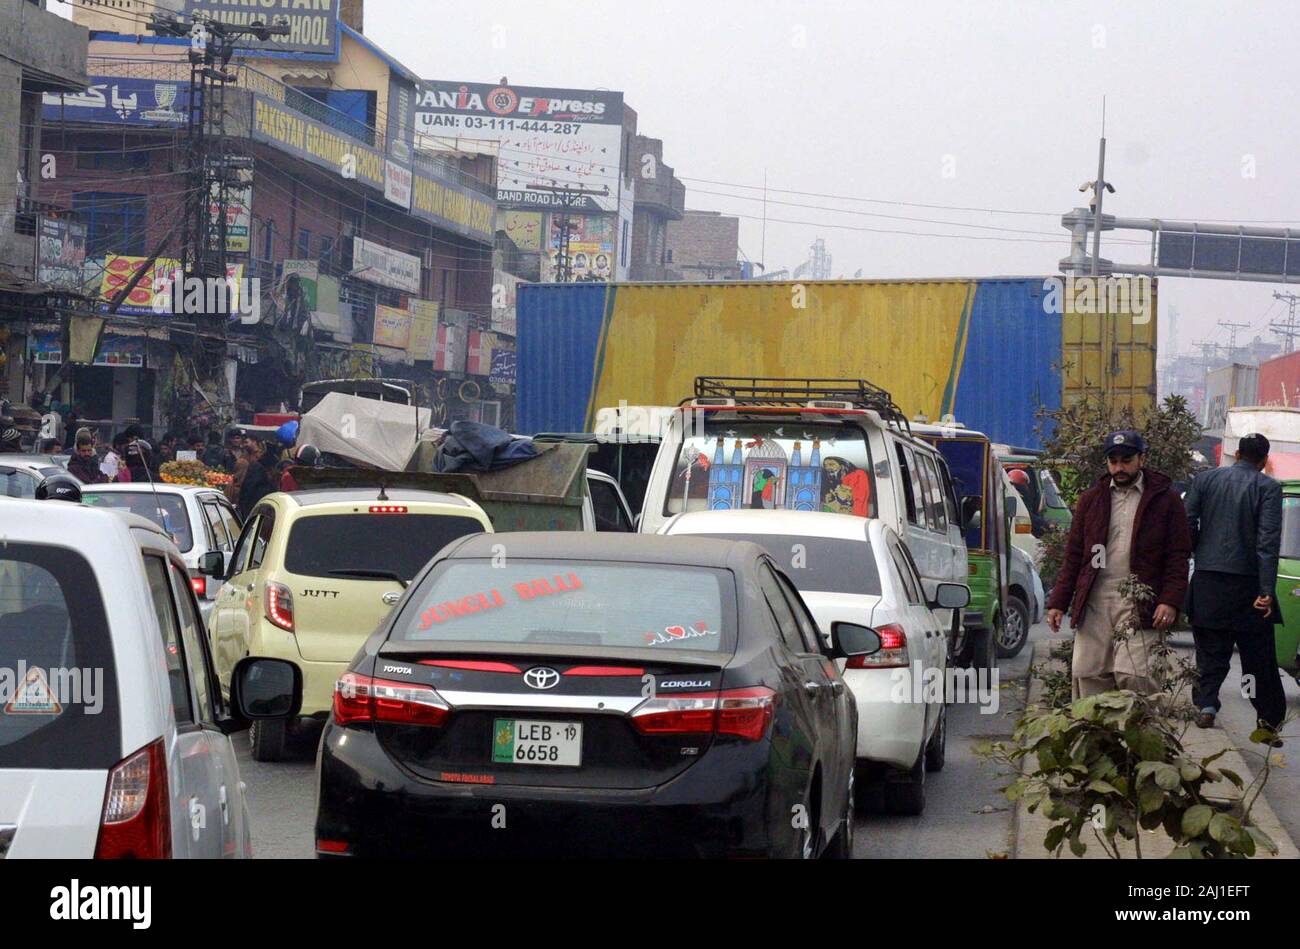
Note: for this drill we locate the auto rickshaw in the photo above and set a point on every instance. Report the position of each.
(1287, 634)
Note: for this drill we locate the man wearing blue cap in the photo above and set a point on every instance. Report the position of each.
(1235, 517)
(1128, 522)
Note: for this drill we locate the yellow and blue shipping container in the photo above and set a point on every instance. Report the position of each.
(986, 352)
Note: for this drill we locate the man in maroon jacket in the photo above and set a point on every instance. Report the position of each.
(1128, 522)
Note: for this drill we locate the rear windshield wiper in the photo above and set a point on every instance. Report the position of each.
(366, 574)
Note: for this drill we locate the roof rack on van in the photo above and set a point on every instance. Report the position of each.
(803, 393)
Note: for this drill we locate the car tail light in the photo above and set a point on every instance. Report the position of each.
(1024, 527)
(199, 585)
(332, 846)
(387, 509)
(136, 820)
(746, 713)
(279, 605)
(689, 713)
(892, 654)
(359, 698)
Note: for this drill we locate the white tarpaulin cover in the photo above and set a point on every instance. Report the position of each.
(364, 431)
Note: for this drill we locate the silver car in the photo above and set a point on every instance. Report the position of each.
(20, 474)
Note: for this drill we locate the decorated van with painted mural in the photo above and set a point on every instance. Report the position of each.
(832, 445)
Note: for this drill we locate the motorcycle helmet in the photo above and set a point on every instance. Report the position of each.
(59, 487)
(1018, 477)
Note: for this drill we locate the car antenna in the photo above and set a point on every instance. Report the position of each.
(145, 460)
(382, 495)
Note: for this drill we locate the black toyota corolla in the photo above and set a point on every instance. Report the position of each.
(594, 694)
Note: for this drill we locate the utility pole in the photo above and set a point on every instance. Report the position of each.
(1099, 189)
(1232, 337)
(563, 262)
(210, 172)
(1209, 352)
(1289, 329)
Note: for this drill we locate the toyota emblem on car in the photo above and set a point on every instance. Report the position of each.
(542, 677)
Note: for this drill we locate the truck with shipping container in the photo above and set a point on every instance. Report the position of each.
(990, 352)
(1279, 381)
(1227, 388)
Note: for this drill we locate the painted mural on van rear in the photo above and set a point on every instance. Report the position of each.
(730, 464)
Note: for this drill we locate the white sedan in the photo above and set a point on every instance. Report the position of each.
(198, 520)
(856, 570)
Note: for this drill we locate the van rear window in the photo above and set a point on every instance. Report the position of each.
(781, 464)
(58, 687)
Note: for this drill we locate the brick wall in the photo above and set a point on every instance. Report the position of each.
(704, 242)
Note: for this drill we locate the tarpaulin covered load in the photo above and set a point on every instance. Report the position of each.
(366, 432)
(544, 493)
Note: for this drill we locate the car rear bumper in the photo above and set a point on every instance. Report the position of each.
(318, 680)
(891, 725)
(717, 807)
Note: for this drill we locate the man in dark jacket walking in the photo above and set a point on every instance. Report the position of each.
(257, 482)
(1128, 522)
(1235, 518)
(84, 463)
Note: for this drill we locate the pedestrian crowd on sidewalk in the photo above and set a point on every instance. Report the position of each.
(1130, 524)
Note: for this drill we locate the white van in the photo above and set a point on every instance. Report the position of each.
(113, 735)
(838, 445)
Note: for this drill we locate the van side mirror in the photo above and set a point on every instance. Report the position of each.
(1013, 506)
(951, 596)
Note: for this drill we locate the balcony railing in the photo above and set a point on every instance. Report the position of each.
(254, 80)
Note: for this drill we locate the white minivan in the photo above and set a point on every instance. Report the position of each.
(834, 445)
(113, 734)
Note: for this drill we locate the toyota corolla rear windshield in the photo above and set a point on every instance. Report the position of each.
(370, 546)
(627, 605)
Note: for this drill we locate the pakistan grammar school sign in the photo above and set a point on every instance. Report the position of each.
(313, 24)
(449, 206)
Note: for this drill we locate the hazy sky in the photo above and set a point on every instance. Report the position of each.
(991, 105)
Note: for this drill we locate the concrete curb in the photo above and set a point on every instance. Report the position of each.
(1028, 829)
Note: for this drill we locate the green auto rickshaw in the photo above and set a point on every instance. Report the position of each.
(1287, 635)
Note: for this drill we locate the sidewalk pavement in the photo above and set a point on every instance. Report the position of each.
(1029, 829)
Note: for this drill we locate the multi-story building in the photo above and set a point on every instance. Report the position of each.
(705, 245)
(370, 256)
(40, 52)
(659, 200)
